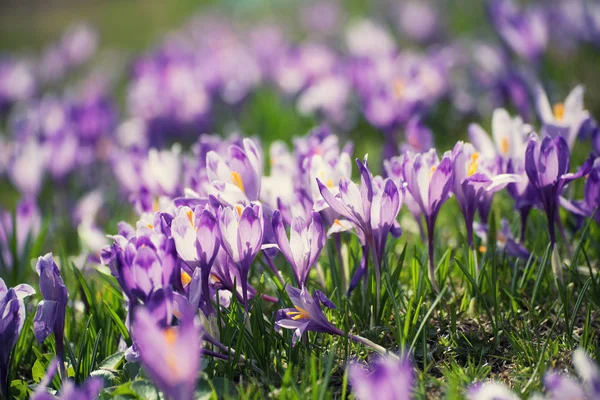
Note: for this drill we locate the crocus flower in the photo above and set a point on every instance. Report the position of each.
(417, 136)
(50, 314)
(236, 178)
(505, 240)
(524, 32)
(303, 248)
(509, 137)
(170, 356)
(591, 197)
(429, 181)
(242, 230)
(372, 208)
(388, 379)
(306, 314)
(89, 390)
(12, 317)
(491, 391)
(474, 183)
(563, 119)
(197, 240)
(547, 163)
(143, 263)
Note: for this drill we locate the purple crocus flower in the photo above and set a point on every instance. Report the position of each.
(12, 317)
(50, 313)
(563, 119)
(591, 197)
(475, 182)
(524, 32)
(417, 136)
(429, 181)
(505, 240)
(388, 379)
(303, 248)
(371, 208)
(197, 240)
(237, 178)
(143, 263)
(306, 314)
(170, 356)
(547, 163)
(88, 391)
(242, 230)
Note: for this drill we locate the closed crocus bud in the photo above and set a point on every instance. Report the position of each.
(12, 317)
(50, 314)
(197, 239)
(429, 181)
(547, 163)
(242, 230)
(303, 248)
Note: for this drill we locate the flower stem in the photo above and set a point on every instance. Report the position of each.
(377, 348)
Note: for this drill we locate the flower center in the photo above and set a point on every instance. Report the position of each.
(432, 170)
(329, 183)
(170, 335)
(239, 209)
(300, 314)
(504, 145)
(399, 88)
(236, 179)
(150, 226)
(185, 278)
(190, 215)
(559, 111)
(473, 165)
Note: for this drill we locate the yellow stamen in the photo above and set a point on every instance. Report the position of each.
(337, 222)
(155, 205)
(504, 145)
(300, 314)
(170, 335)
(215, 278)
(559, 111)
(473, 165)
(190, 215)
(236, 179)
(239, 209)
(150, 226)
(482, 249)
(185, 278)
(399, 88)
(432, 170)
(329, 183)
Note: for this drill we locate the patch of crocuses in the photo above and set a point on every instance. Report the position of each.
(197, 233)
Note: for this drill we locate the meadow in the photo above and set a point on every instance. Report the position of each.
(300, 200)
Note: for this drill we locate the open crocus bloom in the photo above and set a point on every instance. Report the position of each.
(475, 180)
(491, 391)
(306, 314)
(170, 356)
(508, 139)
(237, 178)
(563, 119)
